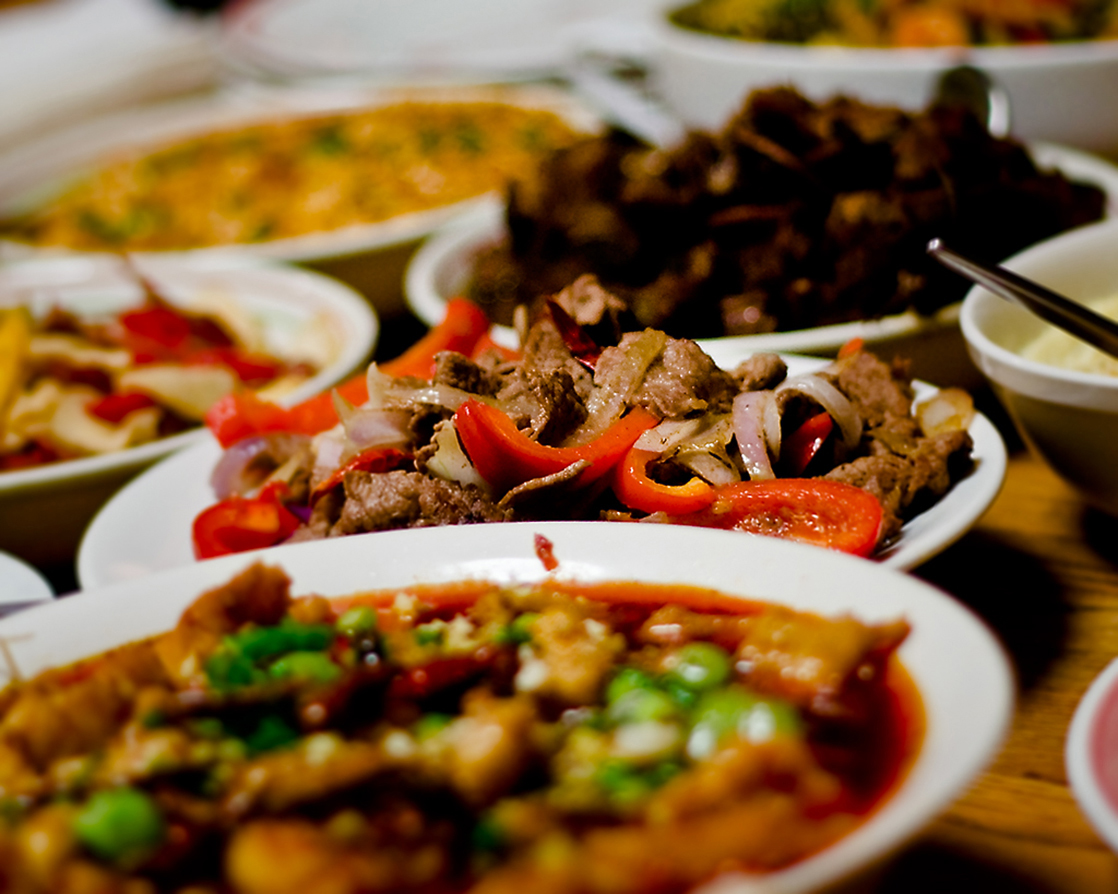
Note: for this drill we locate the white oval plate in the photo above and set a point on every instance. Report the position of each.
(442, 267)
(146, 527)
(958, 667)
(32, 172)
(44, 509)
(21, 586)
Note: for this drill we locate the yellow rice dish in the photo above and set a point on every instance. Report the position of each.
(293, 177)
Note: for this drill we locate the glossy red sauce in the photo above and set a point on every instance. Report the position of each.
(873, 765)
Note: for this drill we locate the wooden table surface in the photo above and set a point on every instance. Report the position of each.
(1042, 570)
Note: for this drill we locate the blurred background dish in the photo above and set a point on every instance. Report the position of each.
(129, 538)
(448, 264)
(1092, 743)
(21, 586)
(1063, 397)
(45, 508)
(422, 40)
(958, 668)
(63, 61)
(1056, 90)
(345, 180)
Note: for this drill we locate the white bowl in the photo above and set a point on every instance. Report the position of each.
(1058, 92)
(1068, 418)
(443, 265)
(147, 527)
(1090, 754)
(45, 509)
(958, 667)
(370, 257)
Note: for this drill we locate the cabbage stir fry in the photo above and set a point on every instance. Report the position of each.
(597, 738)
(75, 385)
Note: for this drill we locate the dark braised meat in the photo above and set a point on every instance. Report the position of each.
(794, 215)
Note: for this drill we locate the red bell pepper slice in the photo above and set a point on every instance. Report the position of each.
(459, 331)
(114, 407)
(800, 447)
(812, 510)
(240, 415)
(636, 490)
(238, 524)
(505, 457)
(376, 459)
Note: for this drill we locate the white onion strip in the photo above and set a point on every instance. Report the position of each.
(830, 399)
(749, 428)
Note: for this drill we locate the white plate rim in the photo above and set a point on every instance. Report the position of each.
(978, 699)
(101, 561)
(354, 314)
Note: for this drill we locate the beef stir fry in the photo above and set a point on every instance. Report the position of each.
(646, 429)
(612, 738)
(794, 215)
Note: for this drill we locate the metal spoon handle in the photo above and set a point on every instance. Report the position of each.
(1080, 321)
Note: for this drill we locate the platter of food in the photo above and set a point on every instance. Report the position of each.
(637, 705)
(308, 174)
(805, 245)
(1048, 61)
(660, 432)
(109, 365)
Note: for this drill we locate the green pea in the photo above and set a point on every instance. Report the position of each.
(700, 666)
(430, 634)
(310, 667)
(121, 825)
(639, 705)
(518, 631)
(360, 620)
(258, 643)
(626, 680)
(735, 711)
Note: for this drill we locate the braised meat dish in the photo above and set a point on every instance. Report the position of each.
(613, 738)
(794, 215)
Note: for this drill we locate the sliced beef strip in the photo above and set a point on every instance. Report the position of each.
(681, 381)
(459, 371)
(385, 500)
(760, 372)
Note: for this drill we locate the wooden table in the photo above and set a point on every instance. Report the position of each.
(1042, 570)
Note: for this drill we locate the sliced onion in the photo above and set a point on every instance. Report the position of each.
(830, 399)
(449, 460)
(366, 429)
(668, 434)
(389, 392)
(951, 409)
(749, 429)
(235, 472)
